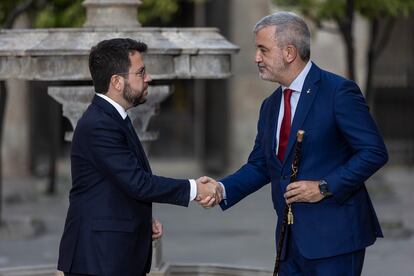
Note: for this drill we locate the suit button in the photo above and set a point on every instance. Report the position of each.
(284, 177)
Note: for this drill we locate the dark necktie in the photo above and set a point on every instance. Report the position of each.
(285, 126)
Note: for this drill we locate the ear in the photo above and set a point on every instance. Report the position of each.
(290, 53)
(117, 82)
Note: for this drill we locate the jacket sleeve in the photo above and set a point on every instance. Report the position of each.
(109, 151)
(360, 131)
(251, 176)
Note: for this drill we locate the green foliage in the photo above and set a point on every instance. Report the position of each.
(157, 9)
(60, 13)
(383, 8)
(319, 10)
(71, 13)
(315, 9)
(6, 6)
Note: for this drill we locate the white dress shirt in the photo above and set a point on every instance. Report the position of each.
(296, 86)
(123, 113)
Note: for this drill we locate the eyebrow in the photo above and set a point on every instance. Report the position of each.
(261, 46)
(140, 69)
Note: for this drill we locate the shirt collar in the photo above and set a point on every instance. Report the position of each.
(117, 106)
(298, 82)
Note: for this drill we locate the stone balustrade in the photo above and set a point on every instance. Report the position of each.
(62, 54)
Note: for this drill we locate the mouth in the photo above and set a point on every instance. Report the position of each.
(261, 68)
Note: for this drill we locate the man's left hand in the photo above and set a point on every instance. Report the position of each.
(156, 229)
(303, 191)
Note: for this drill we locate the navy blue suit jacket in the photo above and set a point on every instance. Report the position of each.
(108, 225)
(342, 145)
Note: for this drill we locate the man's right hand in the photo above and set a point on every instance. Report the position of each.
(209, 192)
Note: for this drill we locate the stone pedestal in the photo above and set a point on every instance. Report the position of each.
(121, 13)
(158, 266)
(75, 100)
(16, 153)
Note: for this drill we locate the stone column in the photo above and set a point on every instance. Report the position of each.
(110, 13)
(16, 130)
(15, 148)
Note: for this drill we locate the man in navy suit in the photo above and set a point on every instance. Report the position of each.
(109, 225)
(334, 220)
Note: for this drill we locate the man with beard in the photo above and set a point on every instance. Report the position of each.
(109, 225)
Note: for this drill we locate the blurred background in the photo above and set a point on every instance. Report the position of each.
(207, 127)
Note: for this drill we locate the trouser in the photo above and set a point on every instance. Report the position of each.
(71, 274)
(67, 274)
(295, 264)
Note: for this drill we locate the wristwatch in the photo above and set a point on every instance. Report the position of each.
(323, 188)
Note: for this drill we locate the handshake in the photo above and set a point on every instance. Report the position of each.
(209, 192)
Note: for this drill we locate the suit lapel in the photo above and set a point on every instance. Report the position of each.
(107, 108)
(307, 95)
(132, 137)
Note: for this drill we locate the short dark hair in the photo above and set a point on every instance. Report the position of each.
(110, 57)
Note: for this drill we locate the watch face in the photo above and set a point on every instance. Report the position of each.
(323, 187)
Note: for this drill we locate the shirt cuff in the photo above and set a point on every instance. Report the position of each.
(193, 189)
(224, 190)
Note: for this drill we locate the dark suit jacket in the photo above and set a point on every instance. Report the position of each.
(108, 225)
(342, 145)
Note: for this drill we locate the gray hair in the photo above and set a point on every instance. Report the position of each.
(290, 29)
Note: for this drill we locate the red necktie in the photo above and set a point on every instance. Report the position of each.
(285, 126)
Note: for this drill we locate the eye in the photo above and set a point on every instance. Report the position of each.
(141, 72)
(262, 50)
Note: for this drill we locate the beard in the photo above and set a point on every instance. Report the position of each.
(133, 98)
(272, 71)
(264, 74)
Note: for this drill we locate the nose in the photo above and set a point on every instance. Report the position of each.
(257, 56)
(147, 78)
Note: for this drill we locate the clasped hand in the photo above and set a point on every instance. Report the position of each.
(209, 192)
(303, 191)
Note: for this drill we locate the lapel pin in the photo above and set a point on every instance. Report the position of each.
(308, 91)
